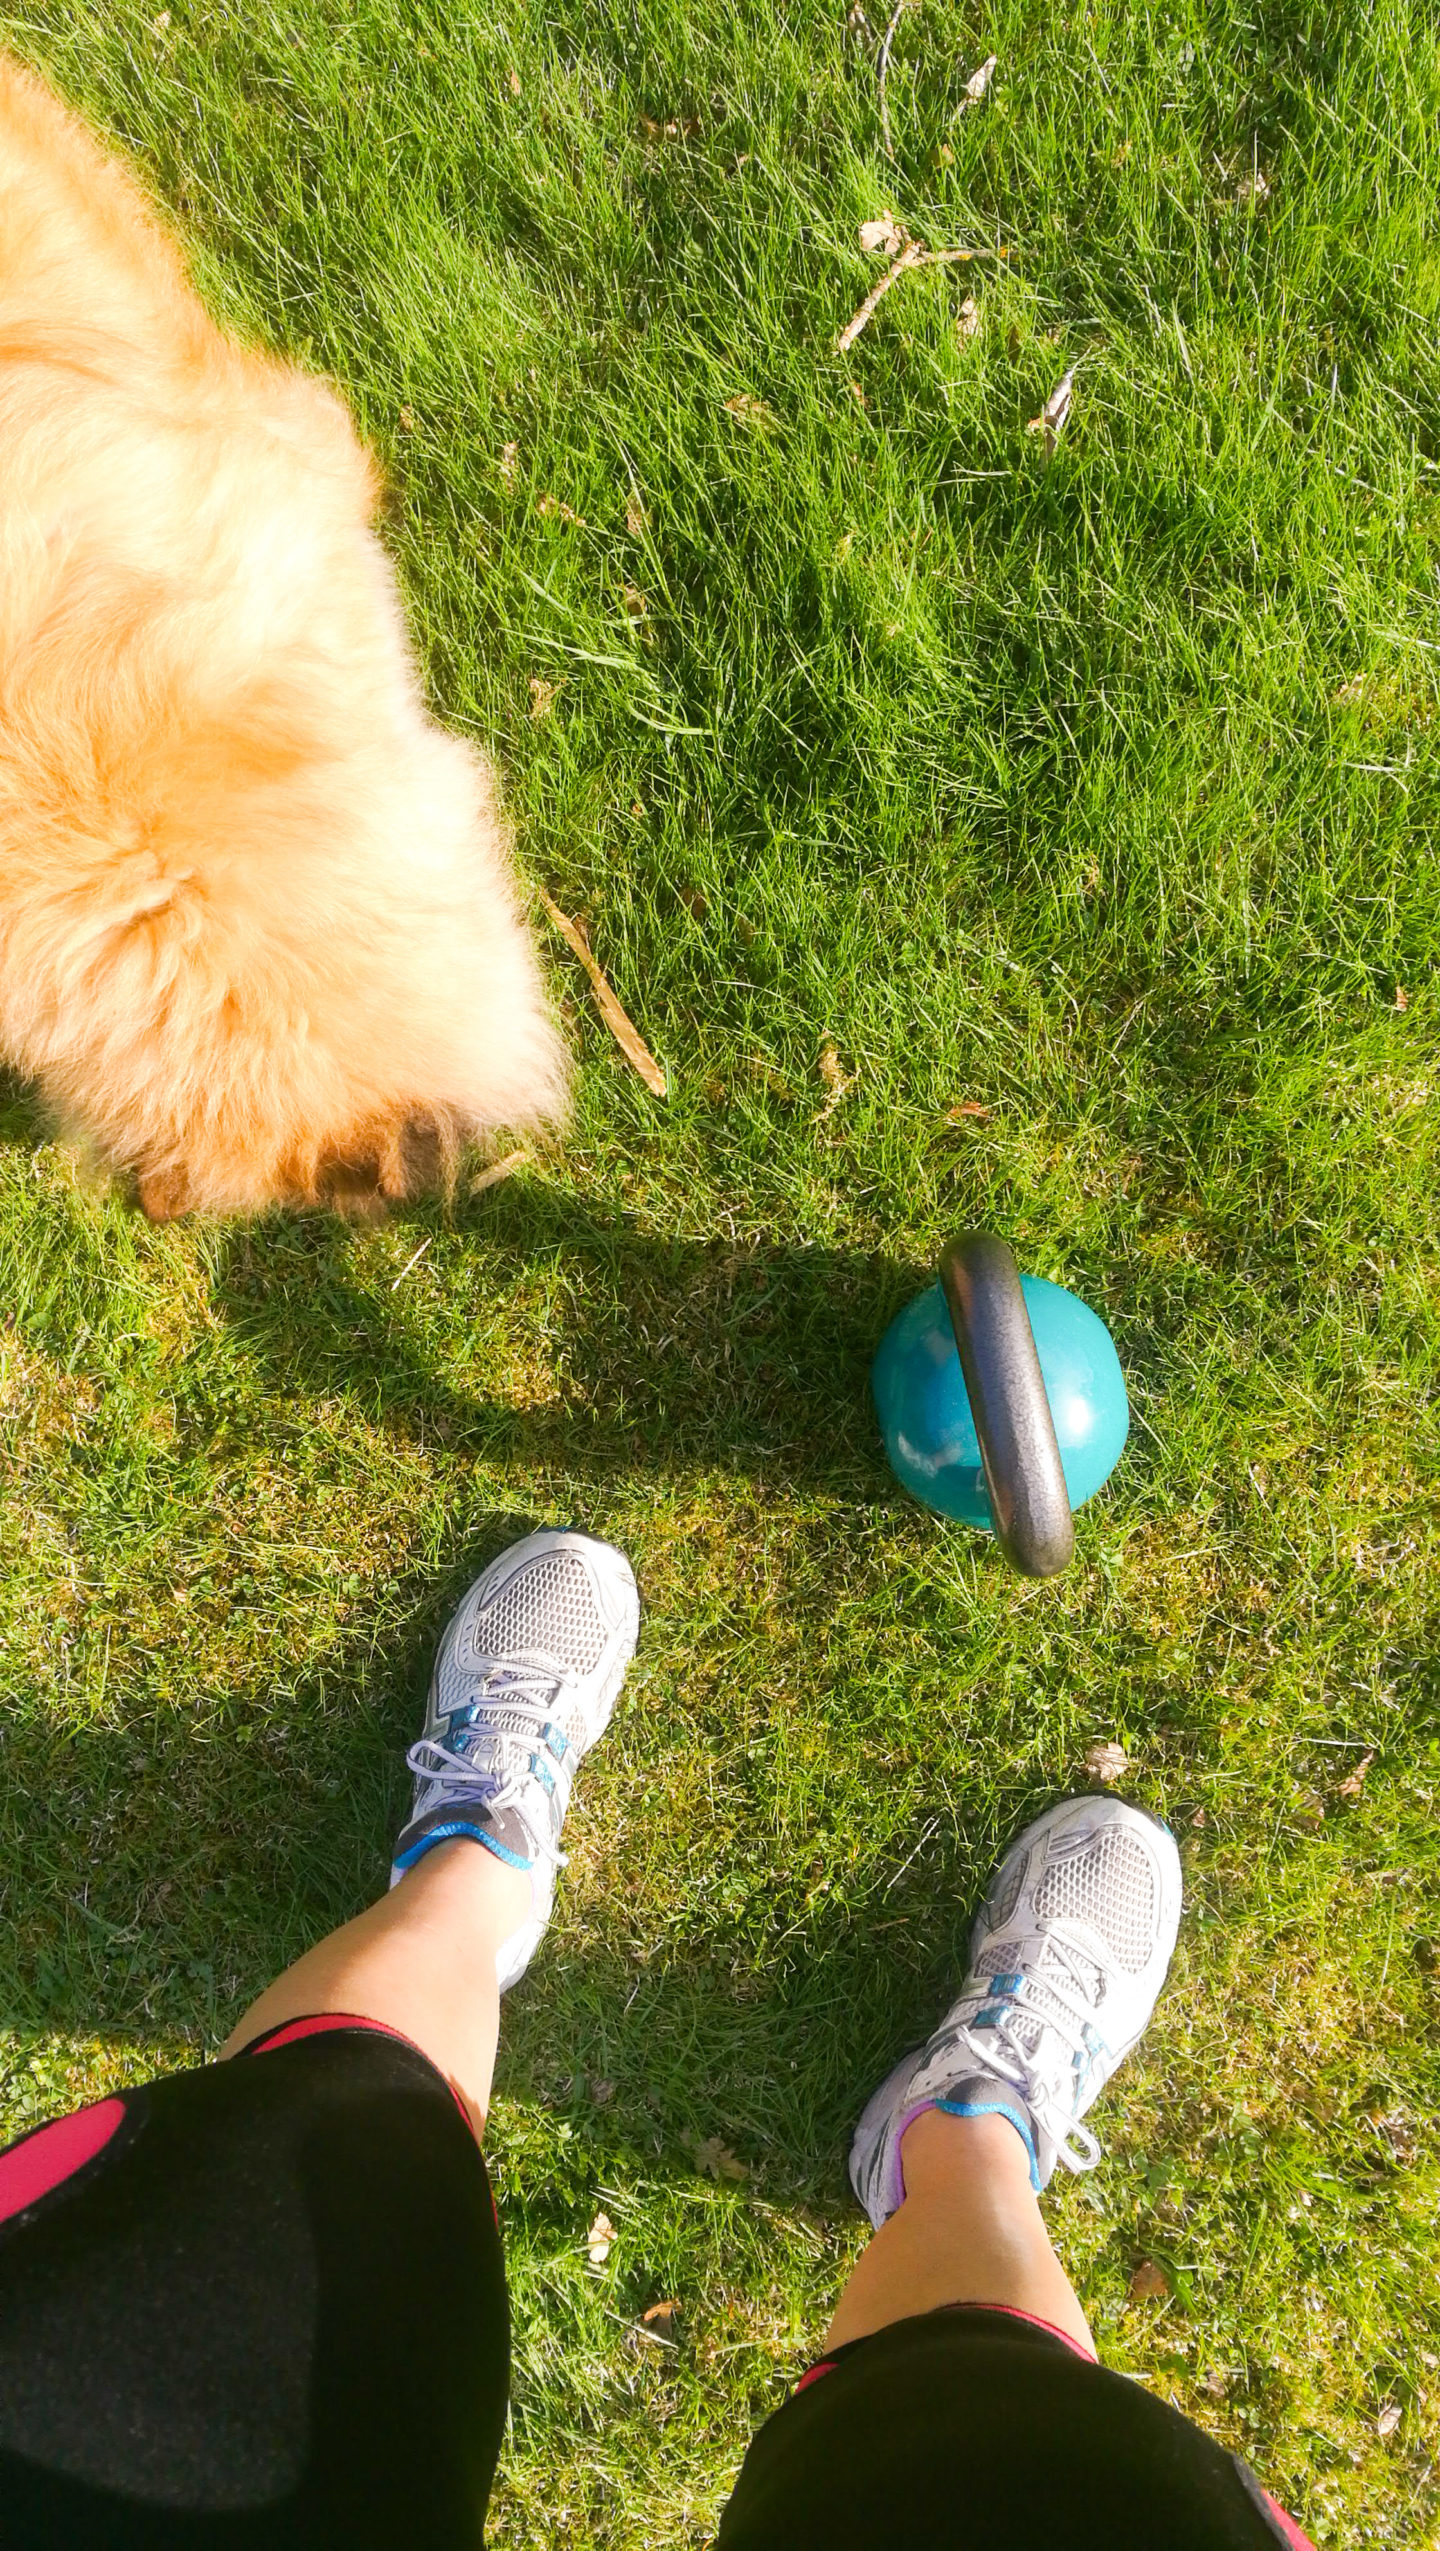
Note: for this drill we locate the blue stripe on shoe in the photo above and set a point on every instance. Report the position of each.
(447, 1833)
(999, 2108)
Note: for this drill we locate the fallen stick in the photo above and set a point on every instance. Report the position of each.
(412, 1262)
(497, 1170)
(882, 74)
(627, 1036)
(909, 257)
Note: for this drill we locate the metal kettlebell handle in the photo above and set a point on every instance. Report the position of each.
(1023, 1472)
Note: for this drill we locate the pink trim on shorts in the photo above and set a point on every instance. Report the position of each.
(1289, 2530)
(321, 2023)
(44, 2160)
(813, 2376)
(1086, 2355)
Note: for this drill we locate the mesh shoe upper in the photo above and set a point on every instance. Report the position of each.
(546, 1607)
(525, 1679)
(1067, 1956)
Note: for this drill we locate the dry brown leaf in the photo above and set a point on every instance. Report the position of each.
(966, 1107)
(509, 463)
(1052, 418)
(542, 696)
(514, 83)
(676, 128)
(660, 2320)
(1354, 1781)
(635, 518)
(967, 319)
(1402, 997)
(884, 237)
(600, 2240)
(751, 411)
(1148, 2283)
(627, 1036)
(860, 400)
(977, 85)
(836, 1079)
(715, 2159)
(693, 901)
(1108, 1762)
(562, 512)
(406, 420)
(1399, 2135)
(1389, 2419)
(635, 603)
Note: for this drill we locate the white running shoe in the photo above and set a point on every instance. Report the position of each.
(525, 1679)
(1067, 1957)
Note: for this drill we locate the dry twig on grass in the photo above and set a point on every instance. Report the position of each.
(626, 1034)
(499, 1169)
(914, 255)
(412, 1262)
(882, 74)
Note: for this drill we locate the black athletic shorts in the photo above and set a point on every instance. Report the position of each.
(264, 2303)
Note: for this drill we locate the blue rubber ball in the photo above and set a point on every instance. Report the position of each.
(925, 1412)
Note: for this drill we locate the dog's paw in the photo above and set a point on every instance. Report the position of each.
(164, 1194)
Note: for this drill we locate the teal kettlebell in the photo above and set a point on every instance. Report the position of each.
(1002, 1402)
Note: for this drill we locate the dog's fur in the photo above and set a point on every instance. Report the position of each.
(258, 940)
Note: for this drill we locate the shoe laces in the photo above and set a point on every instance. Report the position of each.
(512, 1717)
(1054, 2000)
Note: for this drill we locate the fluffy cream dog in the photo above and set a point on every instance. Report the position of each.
(258, 939)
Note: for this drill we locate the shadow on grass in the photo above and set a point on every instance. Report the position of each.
(163, 1860)
(666, 1356)
(160, 1870)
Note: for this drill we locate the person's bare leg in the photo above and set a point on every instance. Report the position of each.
(526, 1675)
(1067, 1955)
(969, 2231)
(422, 1961)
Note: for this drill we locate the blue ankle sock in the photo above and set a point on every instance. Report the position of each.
(982, 2095)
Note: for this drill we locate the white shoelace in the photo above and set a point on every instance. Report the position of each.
(504, 1776)
(1073, 2140)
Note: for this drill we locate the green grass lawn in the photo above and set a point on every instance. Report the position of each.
(975, 839)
